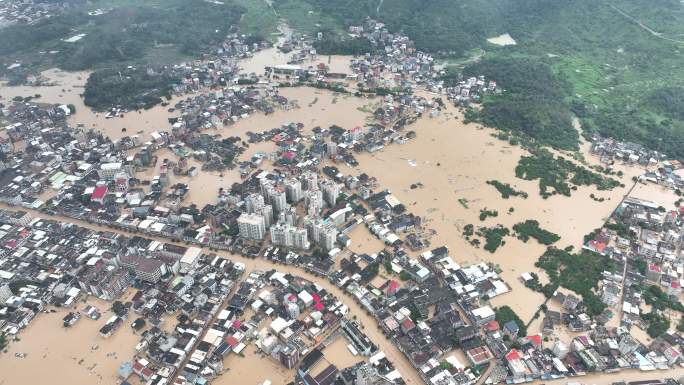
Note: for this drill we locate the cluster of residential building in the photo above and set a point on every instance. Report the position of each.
(299, 212)
(611, 150)
(395, 63)
(648, 238)
(470, 90)
(215, 309)
(659, 169)
(433, 314)
(28, 11)
(603, 349)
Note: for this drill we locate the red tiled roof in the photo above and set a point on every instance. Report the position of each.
(99, 192)
(232, 341)
(317, 302)
(138, 367)
(479, 355)
(598, 246)
(11, 244)
(492, 326)
(393, 286)
(536, 339)
(407, 324)
(513, 355)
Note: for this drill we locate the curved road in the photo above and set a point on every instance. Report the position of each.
(645, 27)
(369, 324)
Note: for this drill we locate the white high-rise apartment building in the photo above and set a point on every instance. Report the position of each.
(278, 199)
(331, 191)
(293, 190)
(252, 226)
(310, 180)
(322, 233)
(289, 236)
(254, 202)
(313, 199)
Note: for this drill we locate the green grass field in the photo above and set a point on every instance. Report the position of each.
(260, 18)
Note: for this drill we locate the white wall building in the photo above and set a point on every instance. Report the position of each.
(293, 190)
(331, 191)
(252, 226)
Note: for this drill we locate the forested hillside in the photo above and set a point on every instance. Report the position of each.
(616, 65)
(125, 32)
(621, 59)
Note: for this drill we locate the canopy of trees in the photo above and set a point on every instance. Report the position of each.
(129, 89)
(530, 229)
(580, 273)
(532, 101)
(505, 314)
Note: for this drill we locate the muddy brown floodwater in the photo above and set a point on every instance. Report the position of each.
(316, 108)
(76, 355)
(450, 159)
(454, 161)
(272, 57)
(253, 368)
(67, 89)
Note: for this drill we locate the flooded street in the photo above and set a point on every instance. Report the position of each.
(77, 355)
(369, 325)
(316, 108)
(203, 187)
(449, 160)
(253, 368)
(272, 56)
(67, 88)
(363, 242)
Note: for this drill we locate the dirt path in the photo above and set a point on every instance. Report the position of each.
(653, 32)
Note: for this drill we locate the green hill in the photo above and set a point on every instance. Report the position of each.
(622, 59)
(129, 32)
(615, 64)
